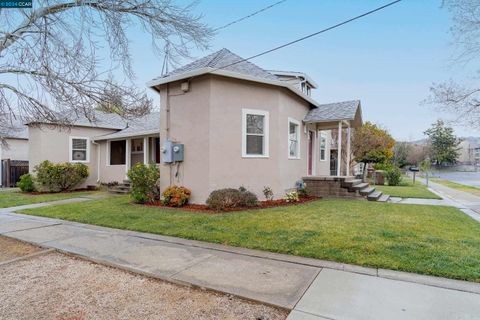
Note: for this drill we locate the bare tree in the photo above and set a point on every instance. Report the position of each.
(52, 57)
(460, 99)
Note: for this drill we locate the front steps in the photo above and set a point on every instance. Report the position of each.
(122, 188)
(342, 187)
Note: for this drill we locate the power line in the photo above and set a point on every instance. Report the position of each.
(249, 16)
(166, 62)
(312, 34)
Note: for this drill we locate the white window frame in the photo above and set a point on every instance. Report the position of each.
(296, 122)
(266, 133)
(87, 158)
(322, 134)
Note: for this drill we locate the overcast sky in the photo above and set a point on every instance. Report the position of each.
(387, 60)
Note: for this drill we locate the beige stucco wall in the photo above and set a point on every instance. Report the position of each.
(49, 143)
(16, 149)
(208, 120)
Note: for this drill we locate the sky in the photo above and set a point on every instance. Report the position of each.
(388, 60)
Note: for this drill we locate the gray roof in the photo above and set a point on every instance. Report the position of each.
(337, 111)
(222, 59)
(15, 129)
(147, 124)
(98, 119)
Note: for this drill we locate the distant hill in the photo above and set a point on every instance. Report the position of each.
(474, 141)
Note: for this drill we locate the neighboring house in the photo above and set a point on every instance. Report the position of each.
(109, 145)
(244, 126)
(469, 152)
(13, 153)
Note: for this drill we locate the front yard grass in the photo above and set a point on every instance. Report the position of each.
(434, 240)
(13, 197)
(407, 189)
(458, 186)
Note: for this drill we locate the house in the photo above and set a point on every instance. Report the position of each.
(108, 145)
(223, 122)
(13, 152)
(240, 125)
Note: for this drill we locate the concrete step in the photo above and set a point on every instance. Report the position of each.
(119, 191)
(366, 191)
(360, 186)
(374, 196)
(351, 183)
(384, 198)
(123, 187)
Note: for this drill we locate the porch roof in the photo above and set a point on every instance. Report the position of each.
(146, 125)
(332, 113)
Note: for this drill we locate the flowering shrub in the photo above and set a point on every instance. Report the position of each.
(291, 196)
(176, 196)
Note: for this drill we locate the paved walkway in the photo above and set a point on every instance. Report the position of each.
(314, 289)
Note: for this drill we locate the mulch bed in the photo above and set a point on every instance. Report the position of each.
(202, 208)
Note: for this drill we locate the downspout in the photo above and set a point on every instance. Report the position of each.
(98, 159)
(167, 120)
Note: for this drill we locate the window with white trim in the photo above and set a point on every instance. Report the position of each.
(293, 139)
(255, 133)
(323, 146)
(79, 149)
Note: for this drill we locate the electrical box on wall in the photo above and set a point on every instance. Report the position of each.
(167, 151)
(178, 152)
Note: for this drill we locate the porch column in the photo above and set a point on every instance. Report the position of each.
(128, 153)
(339, 148)
(348, 149)
(145, 150)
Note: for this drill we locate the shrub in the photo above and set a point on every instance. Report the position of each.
(144, 182)
(176, 196)
(26, 183)
(393, 175)
(291, 196)
(56, 177)
(268, 193)
(231, 198)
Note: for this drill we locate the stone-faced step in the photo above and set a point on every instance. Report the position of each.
(351, 183)
(367, 191)
(360, 186)
(374, 196)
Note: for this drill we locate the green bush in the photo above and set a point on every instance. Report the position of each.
(56, 177)
(393, 175)
(228, 198)
(291, 196)
(144, 182)
(26, 183)
(176, 196)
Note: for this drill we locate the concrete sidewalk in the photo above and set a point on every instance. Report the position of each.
(314, 289)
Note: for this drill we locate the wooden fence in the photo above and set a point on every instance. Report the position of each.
(11, 172)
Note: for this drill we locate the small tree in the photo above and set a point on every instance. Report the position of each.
(400, 153)
(144, 182)
(443, 144)
(372, 144)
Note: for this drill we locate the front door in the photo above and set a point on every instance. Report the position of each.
(310, 153)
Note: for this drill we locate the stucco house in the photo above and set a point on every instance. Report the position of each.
(13, 152)
(233, 123)
(241, 125)
(109, 145)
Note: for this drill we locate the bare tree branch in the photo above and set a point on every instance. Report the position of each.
(52, 57)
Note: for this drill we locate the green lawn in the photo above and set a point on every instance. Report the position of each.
(432, 240)
(458, 186)
(407, 189)
(13, 197)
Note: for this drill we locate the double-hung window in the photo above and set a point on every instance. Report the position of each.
(79, 149)
(255, 133)
(323, 146)
(293, 139)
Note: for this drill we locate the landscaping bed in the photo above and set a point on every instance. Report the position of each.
(434, 240)
(202, 208)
